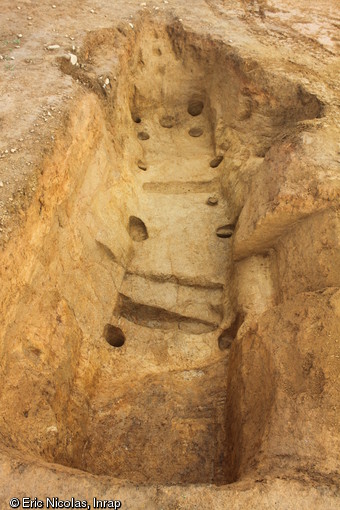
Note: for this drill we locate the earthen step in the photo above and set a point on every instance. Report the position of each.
(182, 237)
(156, 317)
(194, 302)
(180, 169)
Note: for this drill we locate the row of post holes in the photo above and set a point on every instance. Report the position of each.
(195, 108)
(137, 228)
(116, 338)
(138, 231)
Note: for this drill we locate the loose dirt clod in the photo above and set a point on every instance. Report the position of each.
(73, 59)
(212, 200)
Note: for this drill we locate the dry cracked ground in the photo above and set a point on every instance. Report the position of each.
(170, 253)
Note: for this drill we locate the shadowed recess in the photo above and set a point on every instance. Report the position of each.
(214, 163)
(195, 107)
(114, 336)
(225, 231)
(137, 229)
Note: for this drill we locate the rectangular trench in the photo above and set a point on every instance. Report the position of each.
(123, 332)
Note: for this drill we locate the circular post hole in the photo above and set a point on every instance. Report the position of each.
(136, 118)
(196, 132)
(114, 335)
(225, 232)
(214, 163)
(143, 135)
(137, 229)
(195, 107)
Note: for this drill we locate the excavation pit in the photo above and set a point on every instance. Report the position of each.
(156, 410)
